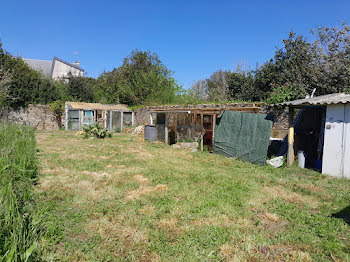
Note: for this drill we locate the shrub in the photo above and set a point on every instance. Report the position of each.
(95, 130)
(281, 94)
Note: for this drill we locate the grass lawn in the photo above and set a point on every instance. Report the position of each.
(123, 199)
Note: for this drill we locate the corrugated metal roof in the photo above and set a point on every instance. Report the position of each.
(337, 98)
(96, 106)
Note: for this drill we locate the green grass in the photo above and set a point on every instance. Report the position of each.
(123, 199)
(23, 227)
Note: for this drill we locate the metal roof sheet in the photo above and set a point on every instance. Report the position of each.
(337, 98)
(96, 106)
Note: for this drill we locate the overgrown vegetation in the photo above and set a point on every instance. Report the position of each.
(24, 228)
(95, 130)
(123, 199)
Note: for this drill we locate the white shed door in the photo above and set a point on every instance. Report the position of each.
(347, 142)
(332, 163)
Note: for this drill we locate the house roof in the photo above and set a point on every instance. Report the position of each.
(43, 66)
(67, 63)
(46, 66)
(337, 98)
(96, 106)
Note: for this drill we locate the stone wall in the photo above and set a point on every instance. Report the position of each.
(38, 116)
(41, 117)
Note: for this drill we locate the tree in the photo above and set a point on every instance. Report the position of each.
(80, 88)
(333, 58)
(142, 78)
(241, 85)
(218, 86)
(20, 85)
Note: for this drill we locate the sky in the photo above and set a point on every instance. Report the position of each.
(192, 38)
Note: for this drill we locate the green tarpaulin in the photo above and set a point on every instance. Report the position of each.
(243, 135)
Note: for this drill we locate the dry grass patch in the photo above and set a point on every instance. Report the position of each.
(221, 220)
(287, 195)
(97, 175)
(168, 223)
(148, 210)
(140, 179)
(113, 229)
(245, 250)
(137, 193)
(161, 188)
(144, 190)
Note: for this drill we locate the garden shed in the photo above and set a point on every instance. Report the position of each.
(322, 131)
(194, 123)
(112, 117)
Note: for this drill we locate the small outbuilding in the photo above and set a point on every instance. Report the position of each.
(112, 117)
(322, 131)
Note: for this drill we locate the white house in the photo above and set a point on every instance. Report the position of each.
(55, 69)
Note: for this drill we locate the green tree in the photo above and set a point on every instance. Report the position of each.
(80, 88)
(20, 85)
(142, 78)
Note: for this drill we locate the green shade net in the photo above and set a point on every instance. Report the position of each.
(243, 135)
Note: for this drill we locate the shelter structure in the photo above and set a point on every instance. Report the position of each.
(322, 131)
(191, 123)
(112, 117)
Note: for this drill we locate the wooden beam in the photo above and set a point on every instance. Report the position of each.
(121, 121)
(202, 142)
(214, 124)
(176, 118)
(290, 156)
(202, 131)
(166, 132)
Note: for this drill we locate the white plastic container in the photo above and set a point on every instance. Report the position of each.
(301, 158)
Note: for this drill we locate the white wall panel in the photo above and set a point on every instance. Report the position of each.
(333, 141)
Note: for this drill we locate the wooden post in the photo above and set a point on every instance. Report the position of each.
(110, 120)
(290, 156)
(132, 118)
(202, 143)
(121, 120)
(202, 132)
(66, 117)
(166, 133)
(214, 124)
(176, 118)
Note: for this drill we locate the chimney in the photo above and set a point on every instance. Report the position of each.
(77, 63)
